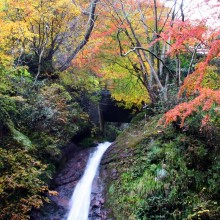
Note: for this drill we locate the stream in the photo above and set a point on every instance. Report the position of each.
(80, 201)
(79, 187)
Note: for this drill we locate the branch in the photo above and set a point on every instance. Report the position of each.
(182, 13)
(141, 48)
(119, 42)
(168, 15)
(192, 59)
(40, 60)
(91, 22)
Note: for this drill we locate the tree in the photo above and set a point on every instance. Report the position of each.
(201, 87)
(133, 28)
(36, 33)
(139, 25)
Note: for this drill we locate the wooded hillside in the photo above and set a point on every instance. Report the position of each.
(154, 57)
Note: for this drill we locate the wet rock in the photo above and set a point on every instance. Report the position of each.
(102, 200)
(114, 174)
(64, 184)
(97, 209)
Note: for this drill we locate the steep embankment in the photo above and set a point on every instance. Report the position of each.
(152, 172)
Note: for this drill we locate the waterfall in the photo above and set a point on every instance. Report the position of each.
(80, 201)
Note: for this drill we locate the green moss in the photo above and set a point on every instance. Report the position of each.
(163, 174)
(17, 136)
(22, 139)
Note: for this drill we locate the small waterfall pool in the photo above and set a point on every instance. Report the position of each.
(80, 201)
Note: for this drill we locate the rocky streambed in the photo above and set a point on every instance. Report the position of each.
(64, 184)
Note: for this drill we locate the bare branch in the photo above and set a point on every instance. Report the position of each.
(144, 49)
(91, 23)
(191, 61)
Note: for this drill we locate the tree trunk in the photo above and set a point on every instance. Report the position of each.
(89, 29)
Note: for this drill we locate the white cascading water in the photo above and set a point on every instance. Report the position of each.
(80, 201)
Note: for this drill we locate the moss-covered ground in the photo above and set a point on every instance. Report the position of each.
(156, 173)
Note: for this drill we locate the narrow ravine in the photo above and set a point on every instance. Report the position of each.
(80, 201)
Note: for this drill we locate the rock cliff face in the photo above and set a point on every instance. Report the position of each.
(64, 183)
(97, 210)
(74, 163)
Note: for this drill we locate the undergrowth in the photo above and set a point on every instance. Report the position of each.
(165, 174)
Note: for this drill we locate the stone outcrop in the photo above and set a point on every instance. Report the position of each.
(73, 165)
(64, 183)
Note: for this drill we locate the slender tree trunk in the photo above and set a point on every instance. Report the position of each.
(90, 26)
(192, 59)
(178, 71)
(163, 59)
(41, 53)
(157, 45)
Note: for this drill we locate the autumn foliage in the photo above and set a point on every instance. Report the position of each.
(206, 100)
(140, 50)
(202, 86)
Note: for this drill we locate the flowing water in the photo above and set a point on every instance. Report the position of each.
(80, 201)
